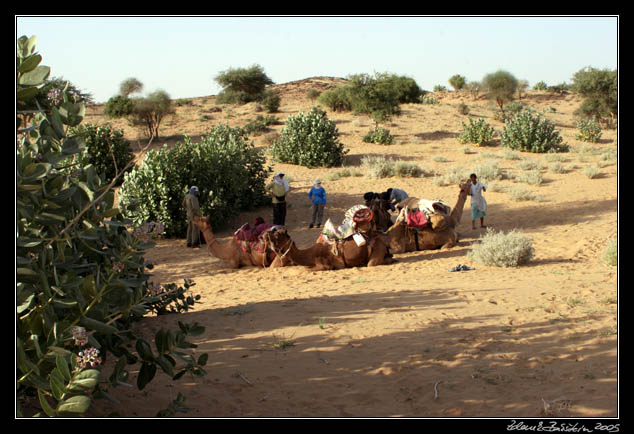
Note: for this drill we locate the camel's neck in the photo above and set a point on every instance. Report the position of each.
(217, 249)
(456, 212)
(304, 257)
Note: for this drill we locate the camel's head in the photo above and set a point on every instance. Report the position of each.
(464, 187)
(402, 216)
(202, 223)
(278, 238)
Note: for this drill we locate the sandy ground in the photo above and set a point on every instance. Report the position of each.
(409, 339)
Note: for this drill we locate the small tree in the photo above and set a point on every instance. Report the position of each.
(242, 84)
(600, 91)
(474, 88)
(501, 86)
(522, 85)
(130, 86)
(457, 82)
(150, 111)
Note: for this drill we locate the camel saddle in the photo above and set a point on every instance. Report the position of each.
(435, 213)
(357, 219)
(250, 239)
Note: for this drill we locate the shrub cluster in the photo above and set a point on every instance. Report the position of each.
(531, 132)
(379, 136)
(229, 172)
(381, 167)
(309, 139)
(503, 249)
(478, 132)
(81, 275)
(106, 149)
(589, 130)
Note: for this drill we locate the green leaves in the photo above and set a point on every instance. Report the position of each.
(532, 133)
(309, 140)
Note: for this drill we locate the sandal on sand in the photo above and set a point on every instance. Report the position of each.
(460, 267)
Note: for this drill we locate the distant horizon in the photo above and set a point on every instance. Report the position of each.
(181, 55)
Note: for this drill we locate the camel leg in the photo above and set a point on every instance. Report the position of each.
(379, 257)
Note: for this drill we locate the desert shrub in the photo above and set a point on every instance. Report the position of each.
(382, 167)
(531, 132)
(510, 111)
(591, 172)
(463, 109)
(81, 275)
(119, 107)
(343, 173)
(599, 88)
(478, 132)
(309, 139)
(106, 149)
(379, 136)
(502, 249)
(241, 85)
(259, 125)
(229, 172)
(440, 88)
(474, 88)
(270, 100)
(540, 85)
(531, 177)
(337, 99)
(588, 130)
(501, 86)
(457, 82)
(313, 94)
(611, 253)
(149, 112)
(428, 99)
(406, 88)
(488, 171)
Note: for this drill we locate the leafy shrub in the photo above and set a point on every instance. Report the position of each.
(380, 136)
(503, 250)
(589, 130)
(229, 172)
(150, 111)
(540, 85)
(533, 133)
(478, 132)
(440, 88)
(428, 99)
(611, 253)
(106, 149)
(309, 139)
(270, 100)
(119, 107)
(259, 125)
(510, 111)
(457, 81)
(81, 275)
(501, 86)
(337, 99)
(313, 94)
(381, 167)
(248, 82)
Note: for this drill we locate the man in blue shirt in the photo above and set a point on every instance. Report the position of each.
(317, 195)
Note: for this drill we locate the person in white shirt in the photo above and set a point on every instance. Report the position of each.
(478, 203)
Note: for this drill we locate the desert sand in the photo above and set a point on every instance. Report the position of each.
(409, 339)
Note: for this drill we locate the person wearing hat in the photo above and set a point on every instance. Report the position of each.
(279, 188)
(317, 195)
(192, 207)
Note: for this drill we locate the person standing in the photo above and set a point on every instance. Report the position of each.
(279, 188)
(317, 195)
(478, 203)
(192, 207)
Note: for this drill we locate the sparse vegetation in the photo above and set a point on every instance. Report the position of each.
(533, 133)
(503, 249)
(478, 132)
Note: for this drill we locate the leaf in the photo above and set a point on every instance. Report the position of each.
(93, 324)
(50, 411)
(63, 367)
(36, 77)
(29, 63)
(146, 374)
(84, 380)
(75, 404)
(145, 350)
(202, 360)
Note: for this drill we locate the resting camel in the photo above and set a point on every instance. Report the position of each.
(321, 256)
(381, 217)
(233, 253)
(403, 239)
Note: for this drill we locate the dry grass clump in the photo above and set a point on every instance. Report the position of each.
(381, 167)
(611, 253)
(503, 249)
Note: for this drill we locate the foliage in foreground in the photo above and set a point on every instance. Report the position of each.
(502, 249)
(532, 133)
(81, 275)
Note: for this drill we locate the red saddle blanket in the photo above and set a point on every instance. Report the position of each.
(249, 237)
(417, 219)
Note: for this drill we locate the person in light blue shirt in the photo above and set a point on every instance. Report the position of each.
(396, 195)
(317, 195)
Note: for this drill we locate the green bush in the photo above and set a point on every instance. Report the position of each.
(478, 132)
(309, 139)
(379, 136)
(457, 82)
(106, 149)
(502, 250)
(229, 172)
(381, 167)
(540, 85)
(501, 86)
(440, 88)
(270, 100)
(589, 130)
(119, 107)
(611, 253)
(530, 132)
(81, 275)
(337, 99)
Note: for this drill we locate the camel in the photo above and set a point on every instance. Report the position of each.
(322, 256)
(402, 239)
(234, 254)
(381, 217)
